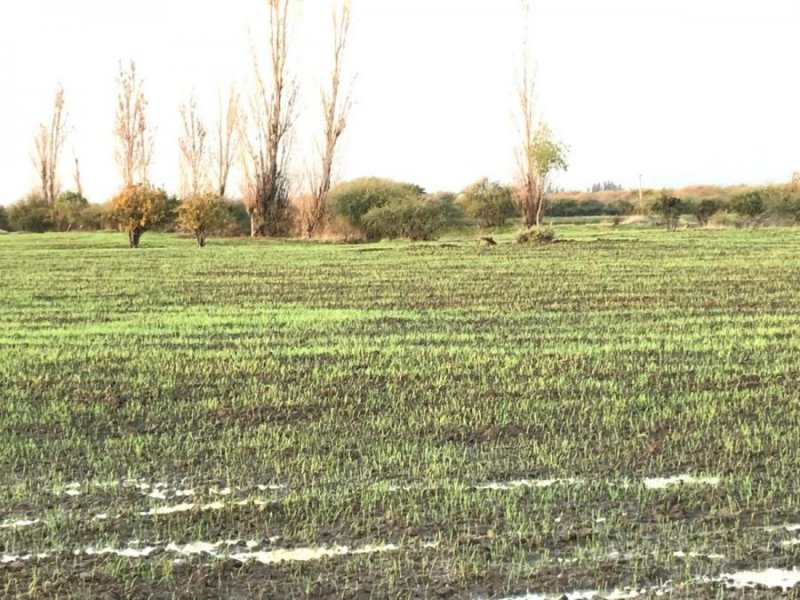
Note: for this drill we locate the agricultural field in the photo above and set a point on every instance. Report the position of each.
(613, 416)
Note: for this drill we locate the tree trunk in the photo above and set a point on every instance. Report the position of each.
(201, 238)
(133, 238)
(253, 226)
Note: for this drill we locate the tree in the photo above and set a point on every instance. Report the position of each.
(192, 145)
(335, 110)
(539, 154)
(670, 209)
(605, 186)
(416, 218)
(545, 156)
(751, 205)
(137, 209)
(266, 148)
(48, 144)
(32, 213)
(134, 139)
(68, 210)
(705, 209)
(354, 199)
(489, 202)
(226, 141)
(4, 224)
(202, 214)
(77, 178)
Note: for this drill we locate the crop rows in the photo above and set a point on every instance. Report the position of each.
(618, 411)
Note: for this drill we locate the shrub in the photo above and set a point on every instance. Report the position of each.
(570, 207)
(96, 217)
(4, 224)
(724, 219)
(68, 210)
(137, 209)
(536, 235)
(670, 209)
(705, 209)
(237, 220)
(488, 202)
(202, 215)
(417, 219)
(354, 199)
(32, 214)
(750, 205)
(783, 204)
(621, 208)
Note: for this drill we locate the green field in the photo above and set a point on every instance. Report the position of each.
(438, 420)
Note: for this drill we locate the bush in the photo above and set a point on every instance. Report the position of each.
(68, 210)
(705, 209)
(96, 217)
(32, 214)
(621, 208)
(202, 215)
(488, 202)
(783, 204)
(237, 220)
(724, 219)
(4, 224)
(536, 235)
(670, 209)
(570, 207)
(139, 208)
(417, 218)
(354, 199)
(750, 205)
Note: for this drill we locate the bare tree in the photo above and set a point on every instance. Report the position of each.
(78, 186)
(335, 109)
(48, 143)
(192, 144)
(266, 148)
(225, 144)
(134, 139)
(529, 193)
(539, 153)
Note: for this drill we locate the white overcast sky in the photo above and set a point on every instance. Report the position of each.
(681, 91)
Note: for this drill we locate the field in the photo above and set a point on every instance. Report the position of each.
(618, 413)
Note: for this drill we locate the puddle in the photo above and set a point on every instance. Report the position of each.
(685, 555)
(18, 524)
(783, 579)
(180, 508)
(126, 553)
(527, 483)
(658, 483)
(308, 554)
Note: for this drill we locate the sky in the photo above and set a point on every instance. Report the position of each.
(678, 91)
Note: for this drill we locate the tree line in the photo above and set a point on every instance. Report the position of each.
(254, 131)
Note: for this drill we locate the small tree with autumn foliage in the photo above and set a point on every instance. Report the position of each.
(137, 209)
(202, 214)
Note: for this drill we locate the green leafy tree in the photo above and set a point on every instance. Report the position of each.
(670, 209)
(33, 214)
(202, 215)
(750, 205)
(417, 218)
(68, 210)
(4, 224)
(488, 202)
(543, 156)
(137, 209)
(705, 209)
(354, 199)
